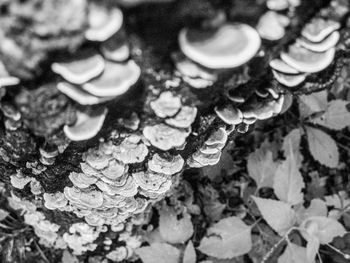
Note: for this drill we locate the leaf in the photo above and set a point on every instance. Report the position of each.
(279, 215)
(228, 238)
(294, 254)
(262, 168)
(291, 143)
(189, 253)
(317, 207)
(323, 228)
(310, 104)
(312, 247)
(322, 147)
(288, 181)
(172, 229)
(3, 214)
(159, 252)
(336, 117)
(67, 257)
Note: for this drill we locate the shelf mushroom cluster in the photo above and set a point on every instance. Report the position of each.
(206, 53)
(175, 125)
(93, 77)
(107, 192)
(312, 52)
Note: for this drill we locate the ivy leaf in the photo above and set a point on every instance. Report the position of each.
(3, 214)
(291, 143)
(288, 181)
(322, 147)
(336, 117)
(323, 228)
(312, 247)
(189, 253)
(317, 207)
(294, 254)
(228, 238)
(313, 103)
(159, 252)
(261, 167)
(172, 229)
(279, 215)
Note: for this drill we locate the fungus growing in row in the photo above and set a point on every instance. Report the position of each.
(318, 29)
(165, 137)
(184, 118)
(116, 79)
(169, 165)
(329, 42)
(103, 22)
(307, 61)
(55, 201)
(271, 26)
(230, 46)
(82, 180)
(86, 198)
(166, 105)
(152, 182)
(277, 5)
(5, 78)
(86, 66)
(81, 96)
(87, 125)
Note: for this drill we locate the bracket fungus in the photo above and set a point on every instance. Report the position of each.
(306, 60)
(318, 29)
(116, 48)
(131, 150)
(229, 114)
(168, 165)
(87, 125)
(19, 181)
(323, 46)
(55, 201)
(5, 78)
(83, 68)
(229, 46)
(103, 22)
(166, 105)
(116, 79)
(165, 137)
(280, 66)
(184, 118)
(271, 26)
(289, 80)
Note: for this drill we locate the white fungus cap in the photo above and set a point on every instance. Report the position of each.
(169, 166)
(85, 67)
(87, 126)
(103, 22)
(318, 29)
(116, 79)
(166, 105)
(307, 61)
(324, 45)
(280, 66)
(230, 46)
(271, 26)
(289, 80)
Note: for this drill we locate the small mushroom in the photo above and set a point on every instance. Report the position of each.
(103, 22)
(229, 114)
(288, 79)
(271, 26)
(168, 166)
(83, 68)
(88, 124)
(184, 118)
(150, 181)
(229, 46)
(166, 105)
(82, 180)
(19, 181)
(280, 66)
(199, 159)
(318, 29)
(80, 96)
(116, 79)
(5, 78)
(131, 150)
(323, 46)
(114, 170)
(165, 137)
(307, 61)
(116, 48)
(217, 138)
(55, 201)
